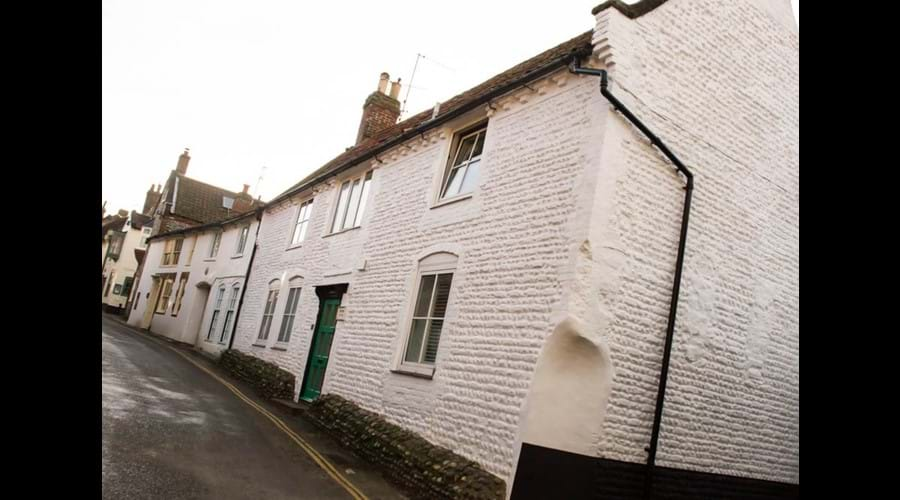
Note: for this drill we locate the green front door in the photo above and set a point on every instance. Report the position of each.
(321, 346)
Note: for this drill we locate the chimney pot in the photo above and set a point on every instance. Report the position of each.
(246, 188)
(123, 212)
(382, 83)
(395, 89)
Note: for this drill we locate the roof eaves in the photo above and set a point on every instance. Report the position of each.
(201, 227)
(416, 125)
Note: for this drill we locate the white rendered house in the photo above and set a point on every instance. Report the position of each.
(119, 259)
(497, 274)
(192, 280)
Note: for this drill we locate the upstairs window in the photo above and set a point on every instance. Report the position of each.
(464, 167)
(302, 222)
(351, 203)
(190, 256)
(432, 297)
(172, 251)
(242, 240)
(214, 247)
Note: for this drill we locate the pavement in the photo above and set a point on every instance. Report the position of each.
(170, 430)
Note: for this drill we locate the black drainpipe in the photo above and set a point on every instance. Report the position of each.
(575, 67)
(237, 315)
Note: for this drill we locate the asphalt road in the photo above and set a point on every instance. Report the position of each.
(171, 431)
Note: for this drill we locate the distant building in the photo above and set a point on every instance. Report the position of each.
(192, 280)
(183, 202)
(123, 242)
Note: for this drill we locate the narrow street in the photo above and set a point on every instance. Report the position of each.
(171, 431)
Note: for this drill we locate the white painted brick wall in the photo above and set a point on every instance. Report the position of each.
(513, 245)
(719, 83)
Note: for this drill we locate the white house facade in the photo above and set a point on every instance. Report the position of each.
(192, 281)
(495, 274)
(120, 262)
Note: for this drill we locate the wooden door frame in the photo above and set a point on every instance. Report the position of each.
(324, 293)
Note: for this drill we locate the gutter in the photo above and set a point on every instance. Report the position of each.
(426, 125)
(575, 67)
(240, 305)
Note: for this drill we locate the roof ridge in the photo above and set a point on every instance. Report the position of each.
(235, 193)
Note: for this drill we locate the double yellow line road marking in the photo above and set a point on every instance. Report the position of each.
(330, 469)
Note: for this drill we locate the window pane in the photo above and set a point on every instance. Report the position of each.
(362, 200)
(479, 146)
(212, 324)
(471, 178)
(465, 148)
(353, 206)
(424, 300)
(341, 208)
(434, 336)
(415, 340)
(226, 327)
(285, 334)
(454, 181)
(442, 293)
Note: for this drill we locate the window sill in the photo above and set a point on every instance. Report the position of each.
(279, 346)
(455, 199)
(238, 256)
(293, 247)
(258, 345)
(413, 374)
(209, 260)
(342, 231)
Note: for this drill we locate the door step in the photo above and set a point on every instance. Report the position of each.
(293, 407)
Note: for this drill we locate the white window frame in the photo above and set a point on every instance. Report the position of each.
(301, 222)
(342, 209)
(191, 253)
(230, 313)
(289, 314)
(179, 293)
(214, 245)
(479, 127)
(217, 308)
(434, 264)
(172, 254)
(166, 279)
(242, 238)
(268, 315)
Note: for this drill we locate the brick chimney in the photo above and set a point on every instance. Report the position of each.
(244, 201)
(183, 162)
(151, 199)
(380, 110)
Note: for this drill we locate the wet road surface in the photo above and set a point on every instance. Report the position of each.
(171, 431)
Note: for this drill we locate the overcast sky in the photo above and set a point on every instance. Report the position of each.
(280, 84)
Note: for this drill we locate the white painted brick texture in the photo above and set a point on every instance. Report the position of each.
(719, 83)
(513, 243)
